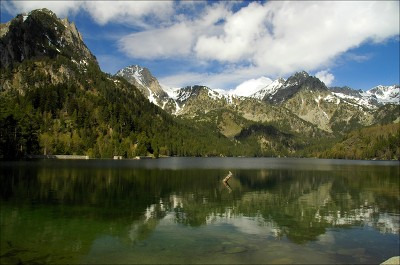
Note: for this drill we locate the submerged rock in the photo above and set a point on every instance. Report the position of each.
(392, 260)
(234, 250)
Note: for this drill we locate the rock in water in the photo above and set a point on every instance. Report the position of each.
(234, 250)
(392, 260)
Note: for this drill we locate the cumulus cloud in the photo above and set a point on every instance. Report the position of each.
(128, 11)
(176, 41)
(275, 38)
(227, 79)
(61, 8)
(325, 77)
(102, 12)
(309, 35)
(251, 86)
(240, 33)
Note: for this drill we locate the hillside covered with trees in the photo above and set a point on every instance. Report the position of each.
(54, 99)
(376, 142)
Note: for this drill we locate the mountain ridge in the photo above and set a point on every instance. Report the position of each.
(55, 99)
(60, 102)
(305, 96)
(280, 90)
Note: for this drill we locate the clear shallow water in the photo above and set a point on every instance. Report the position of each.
(177, 210)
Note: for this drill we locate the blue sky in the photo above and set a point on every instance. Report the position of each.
(223, 44)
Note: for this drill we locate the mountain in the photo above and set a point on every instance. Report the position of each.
(294, 84)
(141, 78)
(270, 90)
(375, 142)
(41, 34)
(336, 110)
(54, 99)
(386, 94)
(357, 97)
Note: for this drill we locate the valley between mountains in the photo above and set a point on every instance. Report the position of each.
(55, 99)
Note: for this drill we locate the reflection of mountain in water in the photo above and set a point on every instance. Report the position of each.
(300, 205)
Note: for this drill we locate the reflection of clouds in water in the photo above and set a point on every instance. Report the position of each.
(247, 225)
(326, 239)
(389, 223)
(176, 201)
(368, 216)
(149, 212)
(172, 211)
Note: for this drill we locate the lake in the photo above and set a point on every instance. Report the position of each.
(178, 210)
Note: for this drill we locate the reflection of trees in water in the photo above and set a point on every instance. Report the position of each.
(300, 204)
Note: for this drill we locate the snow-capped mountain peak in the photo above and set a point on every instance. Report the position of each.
(269, 90)
(372, 98)
(145, 82)
(201, 99)
(386, 94)
(134, 71)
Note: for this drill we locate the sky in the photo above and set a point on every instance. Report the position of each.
(233, 45)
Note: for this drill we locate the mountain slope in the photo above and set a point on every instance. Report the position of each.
(334, 110)
(147, 84)
(386, 94)
(376, 142)
(54, 99)
(270, 90)
(41, 34)
(53, 104)
(301, 106)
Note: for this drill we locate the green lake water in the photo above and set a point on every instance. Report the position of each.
(177, 210)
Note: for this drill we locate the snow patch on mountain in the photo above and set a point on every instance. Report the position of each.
(177, 100)
(269, 90)
(133, 71)
(386, 94)
(171, 91)
(138, 75)
(332, 99)
(373, 98)
(361, 100)
(151, 97)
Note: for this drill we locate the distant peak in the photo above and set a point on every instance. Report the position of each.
(43, 10)
(303, 74)
(134, 68)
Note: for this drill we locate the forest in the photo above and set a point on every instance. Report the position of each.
(94, 114)
(59, 107)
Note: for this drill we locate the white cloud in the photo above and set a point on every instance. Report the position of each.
(310, 35)
(325, 77)
(274, 39)
(129, 11)
(240, 33)
(61, 8)
(251, 86)
(227, 79)
(358, 57)
(158, 43)
(177, 39)
(102, 12)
